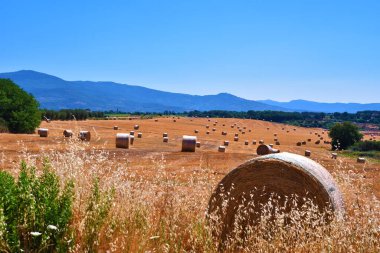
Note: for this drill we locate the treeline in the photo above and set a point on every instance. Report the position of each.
(70, 114)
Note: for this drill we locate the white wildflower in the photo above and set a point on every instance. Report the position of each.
(52, 227)
(35, 233)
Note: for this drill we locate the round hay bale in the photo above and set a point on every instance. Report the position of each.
(165, 139)
(68, 133)
(275, 134)
(299, 143)
(139, 135)
(242, 132)
(236, 135)
(198, 144)
(85, 135)
(115, 128)
(207, 126)
(131, 139)
(122, 140)
(309, 140)
(334, 155)
(261, 141)
(165, 135)
(226, 143)
(307, 153)
(246, 142)
(208, 132)
(156, 120)
(275, 139)
(254, 142)
(132, 133)
(271, 145)
(222, 149)
(303, 143)
(189, 143)
(43, 132)
(214, 129)
(318, 142)
(224, 133)
(236, 138)
(278, 143)
(267, 128)
(196, 131)
(239, 198)
(266, 149)
(136, 127)
(249, 130)
(360, 160)
(232, 126)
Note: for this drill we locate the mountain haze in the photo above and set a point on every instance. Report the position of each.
(55, 93)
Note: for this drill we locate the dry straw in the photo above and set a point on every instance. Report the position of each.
(122, 140)
(255, 182)
(189, 143)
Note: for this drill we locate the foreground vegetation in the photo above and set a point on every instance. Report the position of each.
(119, 208)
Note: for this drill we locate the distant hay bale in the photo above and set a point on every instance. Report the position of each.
(139, 135)
(85, 135)
(258, 181)
(334, 155)
(236, 138)
(43, 132)
(309, 140)
(226, 143)
(261, 141)
(307, 153)
(321, 138)
(165, 139)
(236, 135)
(249, 130)
(224, 133)
(156, 120)
(196, 131)
(360, 160)
(189, 143)
(267, 128)
(214, 124)
(303, 142)
(275, 134)
(242, 132)
(207, 126)
(131, 139)
(208, 132)
(299, 143)
(165, 135)
(222, 149)
(275, 139)
(132, 133)
(68, 133)
(136, 127)
(122, 140)
(115, 128)
(294, 129)
(278, 143)
(214, 129)
(174, 120)
(318, 142)
(266, 149)
(246, 142)
(198, 144)
(254, 142)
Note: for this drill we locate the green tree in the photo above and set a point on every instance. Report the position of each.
(18, 108)
(344, 135)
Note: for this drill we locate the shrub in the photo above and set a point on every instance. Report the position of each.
(366, 146)
(18, 108)
(344, 135)
(35, 213)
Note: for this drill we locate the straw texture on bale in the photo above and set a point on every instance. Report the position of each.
(67, 133)
(43, 132)
(266, 149)
(122, 140)
(283, 174)
(189, 143)
(85, 135)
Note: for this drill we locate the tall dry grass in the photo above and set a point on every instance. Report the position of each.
(155, 210)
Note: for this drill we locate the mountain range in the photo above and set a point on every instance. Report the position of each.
(55, 93)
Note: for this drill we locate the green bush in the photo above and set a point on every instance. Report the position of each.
(18, 108)
(35, 213)
(344, 135)
(366, 146)
(3, 126)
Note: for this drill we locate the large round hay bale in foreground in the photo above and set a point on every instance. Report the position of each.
(266, 149)
(68, 133)
(239, 198)
(43, 132)
(189, 143)
(122, 140)
(85, 135)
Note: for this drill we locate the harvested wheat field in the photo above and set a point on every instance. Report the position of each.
(160, 195)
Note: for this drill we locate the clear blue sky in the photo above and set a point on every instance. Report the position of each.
(321, 50)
